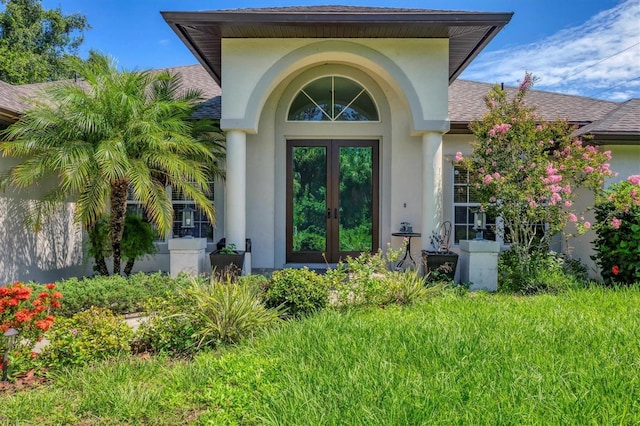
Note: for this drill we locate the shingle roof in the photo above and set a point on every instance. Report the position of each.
(623, 120)
(193, 76)
(11, 103)
(466, 103)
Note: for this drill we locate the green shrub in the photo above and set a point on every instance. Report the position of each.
(360, 281)
(167, 328)
(258, 282)
(550, 272)
(116, 293)
(405, 288)
(227, 312)
(91, 335)
(299, 291)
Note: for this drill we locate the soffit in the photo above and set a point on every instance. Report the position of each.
(468, 32)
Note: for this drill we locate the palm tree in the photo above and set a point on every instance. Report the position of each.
(113, 133)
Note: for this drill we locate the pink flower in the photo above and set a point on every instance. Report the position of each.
(458, 157)
(572, 218)
(488, 179)
(615, 223)
(634, 179)
(587, 225)
(607, 154)
(488, 151)
(496, 175)
(588, 169)
(568, 203)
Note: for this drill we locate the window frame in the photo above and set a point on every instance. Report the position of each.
(498, 225)
(200, 219)
(363, 91)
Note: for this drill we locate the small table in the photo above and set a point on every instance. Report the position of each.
(407, 252)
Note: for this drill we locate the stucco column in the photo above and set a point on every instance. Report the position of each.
(235, 222)
(431, 185)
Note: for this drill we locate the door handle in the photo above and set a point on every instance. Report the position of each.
(335, 213)
(329, 213)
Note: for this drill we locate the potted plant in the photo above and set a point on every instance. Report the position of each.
(226, 260)
(441, 260)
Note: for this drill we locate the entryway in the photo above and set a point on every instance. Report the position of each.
(332, 199)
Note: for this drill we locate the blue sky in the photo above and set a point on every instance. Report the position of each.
(583, 47)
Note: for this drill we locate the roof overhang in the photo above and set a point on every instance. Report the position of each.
(614, 138)
(468, 32)
(8, 117)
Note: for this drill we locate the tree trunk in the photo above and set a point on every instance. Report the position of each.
(129, 266)
(118, 212)
(101, 266)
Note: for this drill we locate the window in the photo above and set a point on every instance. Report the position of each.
(464, 204)
(333, 98)
(203, 228)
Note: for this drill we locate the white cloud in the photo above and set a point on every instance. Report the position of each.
(600, 58)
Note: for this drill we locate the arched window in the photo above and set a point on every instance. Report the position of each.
(333, 98)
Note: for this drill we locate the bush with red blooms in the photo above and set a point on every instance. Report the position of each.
(28, 313)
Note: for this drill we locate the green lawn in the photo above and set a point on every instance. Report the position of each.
(478, 359)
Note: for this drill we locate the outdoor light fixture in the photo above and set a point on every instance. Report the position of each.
(479, 223)
(10, 335)
(187, 221)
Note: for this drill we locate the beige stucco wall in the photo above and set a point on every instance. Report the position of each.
(254, 68)
(53, 253)
(408, 79)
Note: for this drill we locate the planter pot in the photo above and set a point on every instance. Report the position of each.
(443, 263)
(224, 263)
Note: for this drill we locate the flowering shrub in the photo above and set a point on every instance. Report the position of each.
(29, 314)
(618, 228)
(527, 171)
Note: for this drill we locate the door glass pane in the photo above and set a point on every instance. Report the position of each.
(355, 194)
(309, 198)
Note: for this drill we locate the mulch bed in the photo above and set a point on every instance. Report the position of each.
(22, 382)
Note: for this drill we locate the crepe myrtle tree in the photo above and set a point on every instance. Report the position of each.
(113, 133)
(527, 171)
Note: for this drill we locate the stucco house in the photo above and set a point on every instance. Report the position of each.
(341, 123)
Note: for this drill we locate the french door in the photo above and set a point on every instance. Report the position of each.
(332, 199)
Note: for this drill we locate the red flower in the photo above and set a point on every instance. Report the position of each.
(57, 295)
(23, 315)
(615, 270)
(50, 286)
